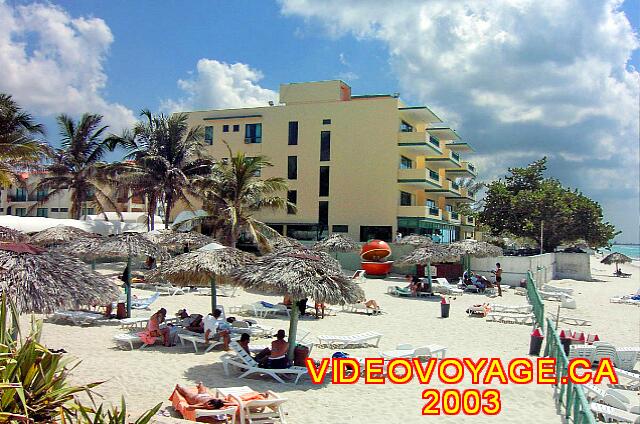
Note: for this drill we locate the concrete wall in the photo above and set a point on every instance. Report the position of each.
(573, 265)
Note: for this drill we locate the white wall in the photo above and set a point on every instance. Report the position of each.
(573, 265)
(515, 267)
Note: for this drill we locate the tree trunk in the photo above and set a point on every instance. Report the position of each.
(293, 328)
(167, 211)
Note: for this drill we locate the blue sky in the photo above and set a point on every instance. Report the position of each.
(517, 79)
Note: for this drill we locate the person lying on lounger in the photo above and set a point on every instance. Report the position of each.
(191, 322)
(201, 397)
(372, 304)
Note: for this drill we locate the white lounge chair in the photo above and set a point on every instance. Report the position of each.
(570, 320)
(614, 414)
(81, 318)
(145, 303)
(632, 378)
(255, 330)
(267, 410)
(506, 318)
(255, 309)
(513, 309)
(195, 339)
(605, 350)
(550, 288)
(359, 276)
(408, 351)
(245, 362)
(370, 338)
(168, 289)
(446, 286)
(134, 323)
(128, 339)
(612, 397)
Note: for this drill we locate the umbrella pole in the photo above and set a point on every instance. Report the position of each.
(214, 304)
(93, 265)
(128, 286)
(293, 328)
(429, 271)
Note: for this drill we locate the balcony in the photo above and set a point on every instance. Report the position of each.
(418, 143)
(459, 146)
(445, 160)
(419, 177)
(466, 169)
(420, 212)
(453, 217)
(464, 193)
(12, 198)
(468, 221)
(442, 131)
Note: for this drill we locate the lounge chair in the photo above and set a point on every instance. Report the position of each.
(408, 351)
(605, 350)
(550, 288)
(255, 309)
(134, 323)
(632, 378)
(196, 338)
(192, 413)
(268, 410)
(399, 291)
(506, 318)
(254, 330)
(128, 339)
(445, 286)
(513, 309)
(570, 320)
(145, 303)
(359, 276)
(81, 318)
(245, 362)
(370, 338)
(612, 397)
(614, 414)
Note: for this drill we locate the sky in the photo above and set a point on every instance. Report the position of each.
(518, 79)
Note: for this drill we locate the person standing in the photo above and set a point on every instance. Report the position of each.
(498, 273)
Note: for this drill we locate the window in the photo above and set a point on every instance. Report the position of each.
(225, 128)
(236, 128)
(55, 210)
(293, 133)
(430, 203)
(88, 211)
(253, 133)
(292, 167)
(43, 212)
(406, 127)
(323, 212)
(64, 209)
(325, 146)
(405, 163)
(449, 208)
(41, 194)
(1, 209)
(375, 232)
(21, 195)
(406, 199)
(340, 228)
(21, 211)
(324, 181)
(292, 197)
(208, 135)
(326, 122)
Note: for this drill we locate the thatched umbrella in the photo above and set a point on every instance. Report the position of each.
(60, 235)
(43, 281)
(121, 247)
(431, 253)
(174, 241)
(201, 268)
(300, 274)
(281, 243)
(616, 258)
(416, 240)
(477, 249)
(11, 235)
(336, 243)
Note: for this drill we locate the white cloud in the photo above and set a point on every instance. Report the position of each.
(348, 76)
(520, 78)
(52, 63)
(220, 85)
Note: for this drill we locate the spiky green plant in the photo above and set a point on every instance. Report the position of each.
(33, 380)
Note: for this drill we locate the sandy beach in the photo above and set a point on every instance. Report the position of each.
(147, 377)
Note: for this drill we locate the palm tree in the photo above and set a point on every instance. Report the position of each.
(165, 156)
(78, 166)
(234, 192)
(19, 147)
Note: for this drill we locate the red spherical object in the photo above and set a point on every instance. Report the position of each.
(375, 250)
(377, 268)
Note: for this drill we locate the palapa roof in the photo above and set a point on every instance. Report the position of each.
(174, 241)
(616, 258)
(431, 254)
(416, 240)
(299, 273)
(283, 243)
(11, 235)
(61, 234)
(477, 249)
(198, 268)
(337, 242)
(44, 281)
(115, 248)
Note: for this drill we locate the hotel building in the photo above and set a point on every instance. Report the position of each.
(365, 165)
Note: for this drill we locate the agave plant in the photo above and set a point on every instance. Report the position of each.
(33, 380)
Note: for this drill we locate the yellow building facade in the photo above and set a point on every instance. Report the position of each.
(368, 166)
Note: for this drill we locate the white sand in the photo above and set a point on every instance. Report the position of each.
(146, 377)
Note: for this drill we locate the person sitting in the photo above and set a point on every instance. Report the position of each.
(244, 342)
(372, 304)
(216, 328)
(287, 301)
(153, 327)
(191, 322)
(413, 283)
(278, 356)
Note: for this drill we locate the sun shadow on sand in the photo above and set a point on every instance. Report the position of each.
(212, 375)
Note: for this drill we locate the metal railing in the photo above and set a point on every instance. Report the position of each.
(535, 300)
(454, 215)
(455, 156)
(434, 175)
(471, 167)
(569, 397)
(434, 211)
(433, 140)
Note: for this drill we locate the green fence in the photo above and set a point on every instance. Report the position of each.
(569, 397)
(535, 300)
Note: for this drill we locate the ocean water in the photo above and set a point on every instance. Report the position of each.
(631, 250)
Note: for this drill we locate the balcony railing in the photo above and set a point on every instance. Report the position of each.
(471, 167)
(455, 185)
(433, 211)
(455, 156)
(434, 175)
(433, 140)
(455, 216)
